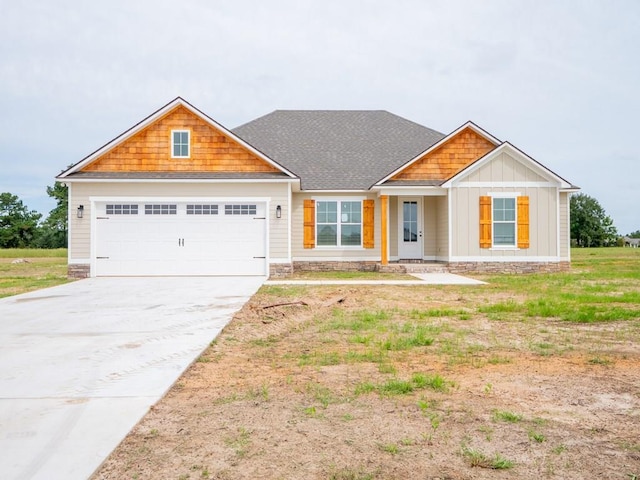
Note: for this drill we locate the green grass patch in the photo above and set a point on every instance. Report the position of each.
(477, 458)
(506, 416)
(36, 273)
(284, 291)
(397, 386)
(14, 253)
(435, 312)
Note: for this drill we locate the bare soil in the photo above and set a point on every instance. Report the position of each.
(289, 392)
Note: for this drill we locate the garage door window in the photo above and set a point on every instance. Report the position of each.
(122, 209)
(160, 209)
(197, 209)
(240, 209)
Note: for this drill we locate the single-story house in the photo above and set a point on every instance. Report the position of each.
(179, 194)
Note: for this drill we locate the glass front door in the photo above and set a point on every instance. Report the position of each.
(410, 234)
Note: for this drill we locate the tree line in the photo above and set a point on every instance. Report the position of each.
(24, 228)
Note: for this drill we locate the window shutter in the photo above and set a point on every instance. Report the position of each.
(368, 226)
(523, 222)
(309, 224)
(485, 222)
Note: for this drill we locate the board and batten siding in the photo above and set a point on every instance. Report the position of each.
(332, 253)
(523, 180)
(543, 221)
(504, 168)
(80, 236)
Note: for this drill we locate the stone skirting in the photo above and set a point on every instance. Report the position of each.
(78, 271)
(507, 267)
(340, 266)
(280, 270)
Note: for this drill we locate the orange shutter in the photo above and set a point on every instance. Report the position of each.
(523, 222)
(309, 224)
(485, 222)
(368, 226)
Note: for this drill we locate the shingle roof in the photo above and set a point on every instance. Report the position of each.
(338, 149)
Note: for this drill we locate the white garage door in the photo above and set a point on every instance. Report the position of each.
(180, 238)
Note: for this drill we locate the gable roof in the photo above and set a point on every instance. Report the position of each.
(389, 178)
(158, 114)
(338, 149)
(518, 155)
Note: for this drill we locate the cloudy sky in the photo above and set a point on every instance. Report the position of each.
(559, 79)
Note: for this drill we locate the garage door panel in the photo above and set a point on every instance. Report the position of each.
(181, 243)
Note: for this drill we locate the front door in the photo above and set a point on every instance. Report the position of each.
(410, 224)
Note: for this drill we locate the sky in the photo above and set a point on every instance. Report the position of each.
(557, 78)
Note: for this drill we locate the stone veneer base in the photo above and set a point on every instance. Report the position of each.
(78, 271)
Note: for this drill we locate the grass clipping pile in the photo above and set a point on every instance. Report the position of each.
(395, 383)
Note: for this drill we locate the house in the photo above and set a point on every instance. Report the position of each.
(179, 194)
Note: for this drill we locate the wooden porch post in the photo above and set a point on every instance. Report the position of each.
(384, 214)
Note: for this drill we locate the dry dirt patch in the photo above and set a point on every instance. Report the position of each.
(395, 383)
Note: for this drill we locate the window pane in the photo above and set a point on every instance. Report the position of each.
(504, 234)
(504, 209)
(327, 235)
(350, 212)
(350, 235)
(327, 212)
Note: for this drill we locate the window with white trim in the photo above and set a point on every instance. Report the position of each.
(504, 221)
(180, 143)
(339, 223)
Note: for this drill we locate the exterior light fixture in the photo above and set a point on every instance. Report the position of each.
(278, 211)
(80, 211)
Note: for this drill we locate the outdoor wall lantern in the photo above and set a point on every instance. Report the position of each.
(80, 211)
(278, 211)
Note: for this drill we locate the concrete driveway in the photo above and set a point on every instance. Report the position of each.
(81, 363)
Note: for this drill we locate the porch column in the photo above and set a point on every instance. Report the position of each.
(384, 241)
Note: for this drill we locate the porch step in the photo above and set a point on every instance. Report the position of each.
(412, 268)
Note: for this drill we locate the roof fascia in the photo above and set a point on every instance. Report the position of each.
(469, 124)
(518, 155)
(292, 181)
(178, 101)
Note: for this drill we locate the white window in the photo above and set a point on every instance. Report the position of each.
(180, 143)
(338, 224)
(504, 222)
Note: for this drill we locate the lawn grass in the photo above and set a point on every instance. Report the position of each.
(406, 379)
(41, 269)
(602, 286)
